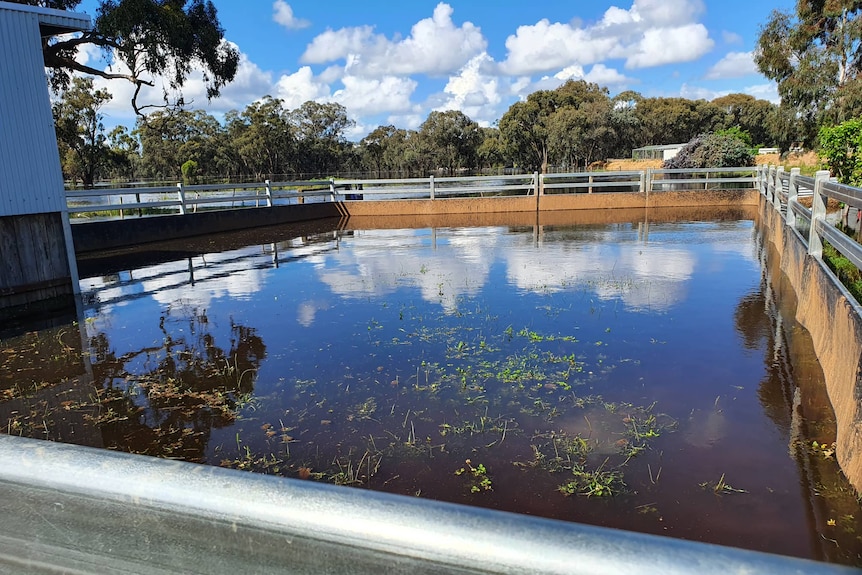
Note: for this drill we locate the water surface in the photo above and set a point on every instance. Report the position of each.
(641, 375)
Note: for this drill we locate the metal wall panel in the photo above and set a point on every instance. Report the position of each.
(30, 177)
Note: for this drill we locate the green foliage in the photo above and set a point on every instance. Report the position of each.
(712, 151)
(80, 131)
(841, 148)
(150, 37)
(813, 55)
(736, 132)
(190, 172)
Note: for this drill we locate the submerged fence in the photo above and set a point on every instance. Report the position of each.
(182, 199)
(784, 190)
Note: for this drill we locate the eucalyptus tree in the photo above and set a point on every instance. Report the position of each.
(526, 132)
(263, 138)
(815, 56)
(80, 131)
(748, 114)
(452, 139)
(492, 151)
(580, 130)
(171, 137)
(167, 38)
(320, 130)
(677, 120)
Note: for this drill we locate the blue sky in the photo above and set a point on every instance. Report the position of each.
(394, 62)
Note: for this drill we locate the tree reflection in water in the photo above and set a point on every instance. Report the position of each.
(166, 399)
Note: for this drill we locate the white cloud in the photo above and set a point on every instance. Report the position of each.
(475, 90)
(301, 86)
(650, 33)
(435, 46)
(283, 14)
(368, 96)
(733, 65)
(731, 37)
(768, 91)
(660, 46)
(599, 74)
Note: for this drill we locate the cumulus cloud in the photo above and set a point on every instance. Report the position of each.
(369, 96)
(301, 86)
(435, 46)
(733, 65)
(650, 33)
(475, 90)
(283, 14)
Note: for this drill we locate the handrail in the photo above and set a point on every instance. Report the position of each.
(181, 197)
(782, 188)
(68, 508)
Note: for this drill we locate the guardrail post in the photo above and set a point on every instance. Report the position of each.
(770, 185)
(792, 193)
(818, 214)
(332, 188)
(268, 193)
(182, 196)
(643, 182)
(648, 181)
(590, 180)
(776, 198)
(540, 183)
(431, 184)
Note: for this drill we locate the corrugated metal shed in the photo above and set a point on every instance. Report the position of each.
(31, 181)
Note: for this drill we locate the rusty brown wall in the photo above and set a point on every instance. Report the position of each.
(550, 203)
(834, 320)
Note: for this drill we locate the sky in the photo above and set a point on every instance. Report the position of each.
(395, 62)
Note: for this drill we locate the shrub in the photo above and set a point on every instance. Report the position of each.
(712, 151)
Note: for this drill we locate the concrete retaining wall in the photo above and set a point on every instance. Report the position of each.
(834, 320)
(113, 234)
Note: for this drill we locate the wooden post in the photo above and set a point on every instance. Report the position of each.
(792, 194)
(182, 196)
(818, 214)
(590, 181)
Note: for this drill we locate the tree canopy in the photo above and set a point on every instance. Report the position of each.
(148, 37)
(815, 56)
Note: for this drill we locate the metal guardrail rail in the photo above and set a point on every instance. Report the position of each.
(783, 190)
(189, 198)
(71, 509)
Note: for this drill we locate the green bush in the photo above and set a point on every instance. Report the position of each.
(712, 151)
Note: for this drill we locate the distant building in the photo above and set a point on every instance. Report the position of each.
(664, 152)
(37, 259)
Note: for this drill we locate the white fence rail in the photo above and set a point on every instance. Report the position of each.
(784, 190)
(183, 199)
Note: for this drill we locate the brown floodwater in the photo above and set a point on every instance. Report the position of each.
(640, 374)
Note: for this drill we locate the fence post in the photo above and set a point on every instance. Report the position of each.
(818, 214)
(182, 196)
(268, 194)
(792, 193)
(540, 183)
(770, 185)
(648, 181)
(332, 189)
(590, 180)
(776, 198)
(431, 183)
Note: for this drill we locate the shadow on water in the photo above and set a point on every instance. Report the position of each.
(637, 370)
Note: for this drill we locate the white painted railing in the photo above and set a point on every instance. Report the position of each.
(184, 199)
(783, 190)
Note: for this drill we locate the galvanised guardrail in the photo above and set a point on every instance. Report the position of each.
(72, 509)
(783, 190)
(183, 199)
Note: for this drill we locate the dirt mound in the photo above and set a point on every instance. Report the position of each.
(616, 165)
